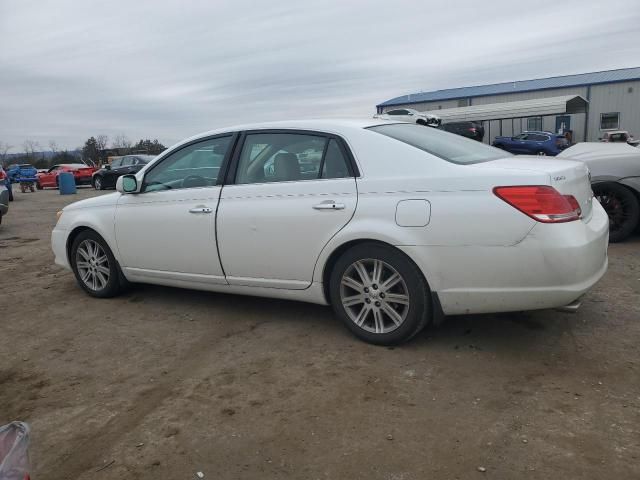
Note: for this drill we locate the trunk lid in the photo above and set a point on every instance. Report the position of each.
(566, 176)
(85, 171)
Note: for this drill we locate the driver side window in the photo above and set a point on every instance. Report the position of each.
(196, 165)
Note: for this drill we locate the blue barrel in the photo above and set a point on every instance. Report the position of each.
(66, 183)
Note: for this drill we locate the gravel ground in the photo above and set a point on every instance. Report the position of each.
(165, 383)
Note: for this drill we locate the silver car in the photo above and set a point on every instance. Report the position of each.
(4, 201)
(615, 179)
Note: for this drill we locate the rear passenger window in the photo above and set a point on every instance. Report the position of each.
(335, 165)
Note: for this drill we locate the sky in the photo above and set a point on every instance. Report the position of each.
(170, 69)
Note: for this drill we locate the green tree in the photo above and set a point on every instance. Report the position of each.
(90, 152)
(149, 147)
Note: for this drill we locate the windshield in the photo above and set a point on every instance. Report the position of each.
(448, 146)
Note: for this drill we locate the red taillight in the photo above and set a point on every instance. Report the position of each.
(542, 203)
(2, 175)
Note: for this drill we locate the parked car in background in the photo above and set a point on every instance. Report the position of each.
(473, 130)
(410, 115)
(533, 143)
(615, 179)
(4, 201)
(394, 227)
(81, 172)
(619, 136)
(5, 180)
(106, 176)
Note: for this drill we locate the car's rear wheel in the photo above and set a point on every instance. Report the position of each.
(541, 153)
(621, 206)
(379, 294)
(97, 183)
(96, 269)
(38, 186)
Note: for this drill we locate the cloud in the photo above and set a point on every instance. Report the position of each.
(170, 69)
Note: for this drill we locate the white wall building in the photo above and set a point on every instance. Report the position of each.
(613, 103)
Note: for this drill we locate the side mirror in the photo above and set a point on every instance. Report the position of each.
(127, 184)
(107, 166)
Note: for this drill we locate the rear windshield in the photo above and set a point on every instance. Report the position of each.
(448, 146)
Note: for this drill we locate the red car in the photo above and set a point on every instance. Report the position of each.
(81, 172)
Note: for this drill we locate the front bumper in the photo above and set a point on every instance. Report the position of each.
(83, 180)
(553, 266)
(59, 247)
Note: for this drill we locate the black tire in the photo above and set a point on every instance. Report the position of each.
(623, 209)
(98, 183)
(57, 183)
(416, 314)
(115, 282)
(38, 186)
(11, 195)
(541, 153)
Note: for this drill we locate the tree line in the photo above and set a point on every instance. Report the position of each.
(95, 151)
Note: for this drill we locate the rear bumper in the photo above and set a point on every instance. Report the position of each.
(550, 268)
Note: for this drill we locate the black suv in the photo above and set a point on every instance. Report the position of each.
(107, 176)
(473, 130)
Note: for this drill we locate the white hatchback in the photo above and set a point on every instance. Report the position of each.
(393, 224)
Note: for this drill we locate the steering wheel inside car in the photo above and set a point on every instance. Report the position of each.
(193, 181)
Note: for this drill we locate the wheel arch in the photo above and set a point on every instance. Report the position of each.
(77, 230)
(337, 252)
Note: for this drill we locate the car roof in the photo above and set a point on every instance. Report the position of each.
(540, 132)
(337, 126)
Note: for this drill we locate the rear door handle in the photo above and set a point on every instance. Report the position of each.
(200, 210)
(329, 205)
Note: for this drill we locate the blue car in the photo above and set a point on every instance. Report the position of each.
(533, 143)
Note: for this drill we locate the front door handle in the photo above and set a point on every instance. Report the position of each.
(201, 210)
(329, 205)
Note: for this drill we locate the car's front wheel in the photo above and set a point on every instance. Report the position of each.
(380, 294)
(97, 183)
(96, 269)
(621, 206)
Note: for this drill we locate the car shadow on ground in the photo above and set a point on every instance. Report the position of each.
(505, 333)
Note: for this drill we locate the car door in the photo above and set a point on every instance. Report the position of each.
(288, 193)
(167, 231)
(48, 179)
(535, 143)
(111, 174)
(518, 143)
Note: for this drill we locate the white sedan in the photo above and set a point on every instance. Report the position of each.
(410, 115)
(393, 224)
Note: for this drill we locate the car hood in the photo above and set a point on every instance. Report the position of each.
(101, 201)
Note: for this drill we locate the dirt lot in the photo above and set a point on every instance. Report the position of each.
(164, 383)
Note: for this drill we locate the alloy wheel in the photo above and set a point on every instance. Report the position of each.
(97, 183)
(618, 209)
(93, 265)
(374, 296)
